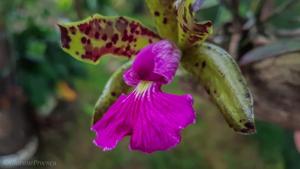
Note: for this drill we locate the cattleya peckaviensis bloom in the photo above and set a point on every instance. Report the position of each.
(152, 118)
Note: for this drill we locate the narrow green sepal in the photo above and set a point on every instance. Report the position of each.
(112, 90)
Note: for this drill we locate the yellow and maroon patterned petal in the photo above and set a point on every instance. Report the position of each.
(189, 31)
(165, 18)
(96, 36)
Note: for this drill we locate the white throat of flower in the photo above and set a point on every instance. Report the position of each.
(142, 87)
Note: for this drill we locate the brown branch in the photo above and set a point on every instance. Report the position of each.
(234, 44)
(288, 33)
(78, 8)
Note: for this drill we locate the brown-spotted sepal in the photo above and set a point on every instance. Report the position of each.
(220, 75)
(164, 17)
(191, 32)
(89, 39)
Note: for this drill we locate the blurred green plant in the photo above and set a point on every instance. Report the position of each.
(40, 66)
(41, 63)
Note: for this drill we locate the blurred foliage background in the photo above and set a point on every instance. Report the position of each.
(62, 91)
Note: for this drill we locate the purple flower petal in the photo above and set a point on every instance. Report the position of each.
(197, 4)
(160, 120)
(156, 62)
(114, 125)
(131, 77)
(153, 118)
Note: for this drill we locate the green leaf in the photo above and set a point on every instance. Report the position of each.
(189, 31)
(165, 18)
(210, 3)
(112, 90)
(271, 50)
(36, 50)
(223, 81)
(99, 35)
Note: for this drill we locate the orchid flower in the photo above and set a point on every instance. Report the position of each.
(152, 118)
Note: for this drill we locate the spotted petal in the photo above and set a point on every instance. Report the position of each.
(164, 17)
(98, 35)
(189, 31)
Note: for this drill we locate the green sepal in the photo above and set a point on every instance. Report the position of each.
(220, 75)
(90, 39)
(112, 90)
(164, 14)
